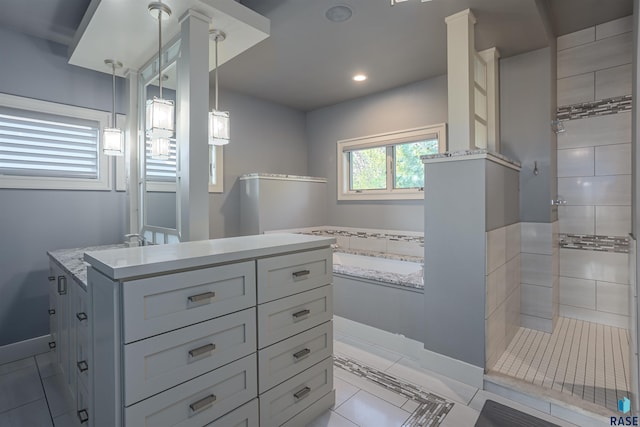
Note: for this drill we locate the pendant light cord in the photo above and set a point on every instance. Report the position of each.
(160, 51)
(216, 73)
(113, 94)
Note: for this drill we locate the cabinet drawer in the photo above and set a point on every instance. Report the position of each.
(82, 367)
(285, 317)
(244, 416)
(161, 362)
(287, 399)
(199, 401)
(81, 309)
(287, 358)
(286, 275)
(159, 304)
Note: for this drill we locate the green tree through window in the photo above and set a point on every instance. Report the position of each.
(409, 170)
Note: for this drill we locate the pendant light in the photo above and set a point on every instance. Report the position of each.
(160, 122)
(218, 120)
(113, 138)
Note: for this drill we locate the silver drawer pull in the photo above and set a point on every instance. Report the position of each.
(83, 366)
(62, 285)
(301, 273)
(302, 353)
(83, 416)
(201, 297)
(301, 313)
(202, 403)
(202, 350)
(51, 312)
(52, 345)
(52, 278)
(81, 316)
(301, 393)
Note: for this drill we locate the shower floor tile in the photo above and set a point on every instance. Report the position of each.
(582, 359)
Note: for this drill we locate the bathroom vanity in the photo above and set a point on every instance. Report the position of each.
(226, 332)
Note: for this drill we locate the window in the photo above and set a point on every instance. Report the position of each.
(51, 146)
(161, 174)
(387, 166)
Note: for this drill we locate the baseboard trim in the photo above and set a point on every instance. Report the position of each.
(436, 362)
(26, 348)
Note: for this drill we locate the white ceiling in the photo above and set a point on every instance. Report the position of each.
(308, 61)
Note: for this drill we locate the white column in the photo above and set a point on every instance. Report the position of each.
(192, 113)
(491, 57)
(460, 77)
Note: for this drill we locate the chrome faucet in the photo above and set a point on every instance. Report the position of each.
(141, 240)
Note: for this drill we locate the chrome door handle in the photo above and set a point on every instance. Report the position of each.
(201, 297)
(301, 273)
(202, 403)
(302, 353)
(202, 350)
(301, 393)
(62, 285)
(301, 313)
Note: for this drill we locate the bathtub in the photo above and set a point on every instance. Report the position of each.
(384, 293)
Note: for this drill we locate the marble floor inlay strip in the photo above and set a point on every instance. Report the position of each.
(431, 408)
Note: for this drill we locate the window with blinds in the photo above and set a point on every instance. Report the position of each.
(51, 146)
(161, 170)
(46, 145)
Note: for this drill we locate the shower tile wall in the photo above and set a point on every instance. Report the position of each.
(539, 281)
(502, 291)
(594, 169)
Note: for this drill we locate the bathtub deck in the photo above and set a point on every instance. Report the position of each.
(583, 359)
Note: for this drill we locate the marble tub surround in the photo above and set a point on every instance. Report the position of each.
(72, 260)
(413, 280)
(380, 243)
(281, 177)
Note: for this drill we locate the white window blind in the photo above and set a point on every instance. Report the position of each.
(161, 170)
(47, 145)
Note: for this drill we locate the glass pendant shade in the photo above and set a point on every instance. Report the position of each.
(160, 114)
(160, 148)
(113, 142)
(218, 127)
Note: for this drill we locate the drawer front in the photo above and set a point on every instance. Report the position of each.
(289, 398)
(244, 416)
(199, 401)
(161, 362)
(280, 319)
(286, 275)
(165, 303)
(81, 310)
(287, 358)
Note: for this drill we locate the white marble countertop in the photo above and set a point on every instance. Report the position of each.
(72, 261)
(139, 261)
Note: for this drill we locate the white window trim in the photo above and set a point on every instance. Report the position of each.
(103, 183)
(383, 140)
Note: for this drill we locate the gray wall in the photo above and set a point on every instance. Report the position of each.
(526, 86)
(35, 221)
(635, 181)
(265, 137)
(418, 104)
(502, 195)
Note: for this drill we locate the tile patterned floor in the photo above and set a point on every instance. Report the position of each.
(30, 393)
(583, 359)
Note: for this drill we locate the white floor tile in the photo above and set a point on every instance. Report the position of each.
(18, 364)
(460, 416)
(364, 384)
(373, 356)
(57, 395)
(20, 387)
(47, 364)
(344, 390)
(330, 419)
(411, 371)
(34, 414)
(478, 402)
(410, 406)
(368, 410)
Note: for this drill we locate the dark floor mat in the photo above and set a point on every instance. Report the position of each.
(494, 414)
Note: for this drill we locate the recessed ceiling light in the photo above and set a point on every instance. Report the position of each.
(339, 13)
(359, 77)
